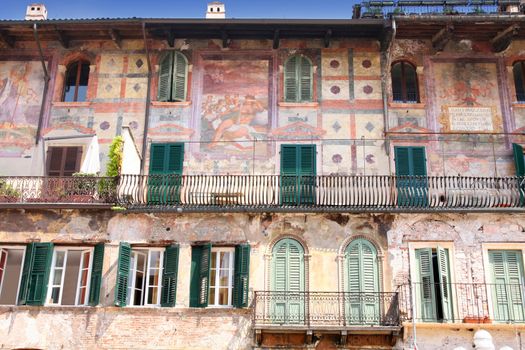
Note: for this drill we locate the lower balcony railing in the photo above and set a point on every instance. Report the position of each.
(463, 302)
(325, 309)
(325, 192)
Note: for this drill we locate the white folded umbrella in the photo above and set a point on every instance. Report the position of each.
(91, 163)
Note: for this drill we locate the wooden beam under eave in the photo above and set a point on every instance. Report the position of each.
(503, 39)
(116, 38)
(171, 38)
(276, 39)
(62, 39)
(7, 40)
(327, 38)
(441, 38)
(225, 41)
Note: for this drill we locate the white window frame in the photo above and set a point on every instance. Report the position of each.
(216, 283)
(485, 247)
(146, 286)
(412, 246)
(14, 247)
(50, 284)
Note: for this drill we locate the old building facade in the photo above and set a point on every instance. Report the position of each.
(306, 184)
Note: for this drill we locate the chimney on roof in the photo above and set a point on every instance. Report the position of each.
(36, 12)
(216, 10)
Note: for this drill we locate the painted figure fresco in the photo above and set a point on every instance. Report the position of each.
(234, 108)
(21, 85)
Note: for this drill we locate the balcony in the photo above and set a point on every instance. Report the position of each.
(467, 303)
(325, 312)
(57, 192)
(324, 193)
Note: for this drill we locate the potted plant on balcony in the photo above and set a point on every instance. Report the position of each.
(107, 188)
(8, 193)
(83, 188)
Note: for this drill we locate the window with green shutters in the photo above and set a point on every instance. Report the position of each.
(209, 265)
(411, 172)
(173, 72)
(519, 164)
(506, 268)
(433, 286)
(96, 274)
(362, 276)
(169, 276)
(298, 79)
(35, 274)
(166, 163)
(298, 170)
(287, 276)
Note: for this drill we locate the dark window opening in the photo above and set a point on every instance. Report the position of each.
(438, 285)
(63, 161)
(518, 71)
(404, 83)
(75, 87)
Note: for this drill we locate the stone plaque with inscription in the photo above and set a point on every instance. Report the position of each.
(470, 119)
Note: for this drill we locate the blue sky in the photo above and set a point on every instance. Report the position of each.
(15, 9)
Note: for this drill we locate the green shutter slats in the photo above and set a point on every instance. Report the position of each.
(298, 170)
(289, 160)
(165, 77)
(241, 275)
(419, 167)
(157, 155)
(180, 71)
(121, 288)
(165, 159)
(411, 161)
(96, 274)
(200, 274)
(519, 162)
(445, 287)
(402, 161)
(26, 270)
(39, 274)
(305, 75)
(169, 276)
(291, 93)
(353, 269)
(175, 158)
(425, 284)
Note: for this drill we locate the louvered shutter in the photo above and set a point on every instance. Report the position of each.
(289, 174)
(419, 167)
(307, 173)
(39, 273)
(305, 76)
(402, 161)
(169, 276)
(291, 93)
(175, 158)
(54, 161)
(200, 274)
(157, 156)
(241, 275)
(425, 290)
(166, 160)
(507, 290)
(353, 268)
(180, 71)
(518, 159)
(165, 77)
(121, 288)
(96, 274)
(411, 171)
(26, 269)
(445, 286)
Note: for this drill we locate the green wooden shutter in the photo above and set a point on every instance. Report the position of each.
(241, 275)
(305, 76)
(507, 278)
(402, 161)
(291, 93)
(418, 160)
(200, 274)
(35, 274)
(157, 156)
(445, 286)
(165, 159)
(411, 162)
(519, 162)
(425, 291)
(165, 77)
(180, 71)
(169, 276)
(121, 288)
(289, 174)
(96, 274)
(307, 173)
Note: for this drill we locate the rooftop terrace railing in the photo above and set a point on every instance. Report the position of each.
(340, 193)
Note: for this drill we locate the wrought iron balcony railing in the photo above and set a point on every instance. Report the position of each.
(463, 302)
(325, 309)
(51, 190)
(344, 193)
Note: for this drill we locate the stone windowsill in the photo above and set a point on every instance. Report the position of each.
(401, 105)
(516, 104)
(299, 104)
(170, 104)
(71, 104)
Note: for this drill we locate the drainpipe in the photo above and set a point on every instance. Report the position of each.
(385, 64)
(46, 84)
(148, 102)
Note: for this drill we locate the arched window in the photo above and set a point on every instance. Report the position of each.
(298, 79)
(287, 278)
(172, 77)
(404, 83)
(77, 77)
(519, 80)
(362, 283)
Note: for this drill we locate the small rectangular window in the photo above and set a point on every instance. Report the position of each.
(11, 261)
(145, 277)
(63, 161)
(221, 277)
(70, 276)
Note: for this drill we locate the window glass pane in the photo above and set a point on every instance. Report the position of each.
(55, 293)
(211, 296)
(155, 260)
(225, 260)
(213, 260)
(81, 94)
(397, 82)
(411, 83)
(224, 277)
(59, 262)
(70, 83)
(223, 296)
(518, 81)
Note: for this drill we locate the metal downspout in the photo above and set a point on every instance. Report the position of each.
(385, 62)
(148, 102)
(46, 85)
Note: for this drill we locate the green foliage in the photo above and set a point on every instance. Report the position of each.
(114, 164)
(8, 190)
(87, 185)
